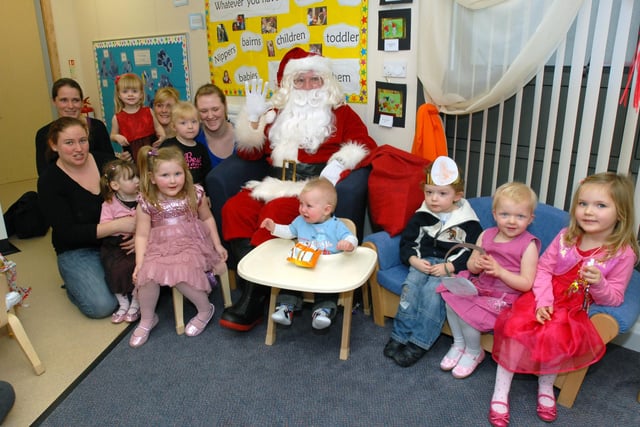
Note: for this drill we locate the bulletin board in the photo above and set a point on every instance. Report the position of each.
(159, 60)
(248, 38)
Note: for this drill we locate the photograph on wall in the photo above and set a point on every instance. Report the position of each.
(391, 104)
(160, 61)
(394, 29)
(247, 42)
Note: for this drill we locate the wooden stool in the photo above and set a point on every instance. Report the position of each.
(8, 318)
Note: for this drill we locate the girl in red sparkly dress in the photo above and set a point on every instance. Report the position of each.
(547, 331)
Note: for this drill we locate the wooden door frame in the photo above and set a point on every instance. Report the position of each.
(50, 36)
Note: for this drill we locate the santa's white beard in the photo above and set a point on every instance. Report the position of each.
(305, 122)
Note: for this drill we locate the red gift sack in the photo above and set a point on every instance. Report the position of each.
(394, 187)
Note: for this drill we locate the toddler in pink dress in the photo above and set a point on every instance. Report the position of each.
(501, 269)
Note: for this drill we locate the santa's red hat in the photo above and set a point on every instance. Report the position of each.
(297, 59)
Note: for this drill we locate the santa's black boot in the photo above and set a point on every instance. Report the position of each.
(248, 311)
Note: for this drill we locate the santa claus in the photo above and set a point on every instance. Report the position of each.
(306, 129)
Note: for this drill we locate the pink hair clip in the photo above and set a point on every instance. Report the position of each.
(153, 152)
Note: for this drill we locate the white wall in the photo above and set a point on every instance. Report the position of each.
(80, 22)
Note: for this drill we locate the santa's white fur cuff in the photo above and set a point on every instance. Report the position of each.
(350, 154)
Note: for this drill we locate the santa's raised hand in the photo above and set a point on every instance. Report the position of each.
(256, 103)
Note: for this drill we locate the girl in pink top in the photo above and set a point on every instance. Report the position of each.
(548, 331)
(133, 125)
(501, 273)
(119, 186)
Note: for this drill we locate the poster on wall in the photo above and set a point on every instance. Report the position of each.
(160, 61)
(248, 38)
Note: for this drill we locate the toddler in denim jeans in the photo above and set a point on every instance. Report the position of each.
(443, 220)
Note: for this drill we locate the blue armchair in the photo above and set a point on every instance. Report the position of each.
(228, 177)
(386, 284)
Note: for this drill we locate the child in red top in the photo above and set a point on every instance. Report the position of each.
(134, 125)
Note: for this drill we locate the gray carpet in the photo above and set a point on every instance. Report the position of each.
(227, 378)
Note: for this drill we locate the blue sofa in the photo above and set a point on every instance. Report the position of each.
(386, 284)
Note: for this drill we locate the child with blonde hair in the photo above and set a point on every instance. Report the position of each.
(186, 124)
(547, 331)
(177, 242)
(318, 228)
(501, 269)
(133, 125)
(119, 186)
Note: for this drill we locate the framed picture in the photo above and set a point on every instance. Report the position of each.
(394, 29)
(391, 104)
(386, 2)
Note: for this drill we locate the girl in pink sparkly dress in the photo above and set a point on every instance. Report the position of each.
(177, 242)
(547, 331)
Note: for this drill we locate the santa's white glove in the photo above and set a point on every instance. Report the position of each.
(332, 171)
(256, 104)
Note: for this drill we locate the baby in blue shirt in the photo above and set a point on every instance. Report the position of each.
(316, 226)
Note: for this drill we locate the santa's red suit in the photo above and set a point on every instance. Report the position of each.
(311, 127)
(350, 143)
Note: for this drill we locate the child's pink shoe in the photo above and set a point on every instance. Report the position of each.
(451, 359)
(142, 333)
(119, 316)
(467, 365)
(133, 314)
(196, 326)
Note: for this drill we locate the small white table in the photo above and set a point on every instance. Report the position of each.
(341, 273)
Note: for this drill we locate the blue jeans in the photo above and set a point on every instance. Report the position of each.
(84, 281)
(421, 312)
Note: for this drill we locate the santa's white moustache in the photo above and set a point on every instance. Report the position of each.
(312, 98)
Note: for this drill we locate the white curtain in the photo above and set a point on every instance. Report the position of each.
(476, 53)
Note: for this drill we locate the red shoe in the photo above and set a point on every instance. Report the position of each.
(547, 413)
(498, 419)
